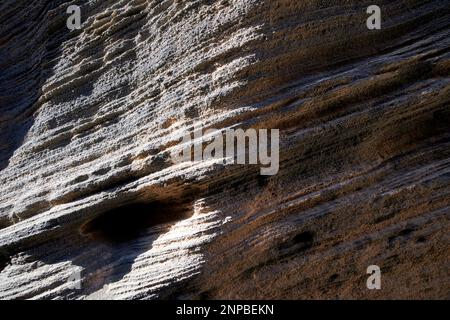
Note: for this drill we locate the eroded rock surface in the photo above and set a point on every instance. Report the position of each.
(89, 118)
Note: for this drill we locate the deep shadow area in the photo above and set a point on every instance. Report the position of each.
(129, 221)
(300, 242)
(27, 58)
(4, 259)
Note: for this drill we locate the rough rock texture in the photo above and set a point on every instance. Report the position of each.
(89, 117)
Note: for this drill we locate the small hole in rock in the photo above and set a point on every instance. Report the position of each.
(305, 238)
(333, 278)
(299, 242)
(129, 221)
(421, 239)
(406, 232)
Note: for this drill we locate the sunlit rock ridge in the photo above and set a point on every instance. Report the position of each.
(92, 207)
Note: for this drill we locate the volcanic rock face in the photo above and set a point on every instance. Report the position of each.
(91, 205)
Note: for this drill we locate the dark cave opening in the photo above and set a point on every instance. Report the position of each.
(304, 238)
(127, 222)
(300, 242)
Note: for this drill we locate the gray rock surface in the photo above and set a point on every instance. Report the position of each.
(89, 118)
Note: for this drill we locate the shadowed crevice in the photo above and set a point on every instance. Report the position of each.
(129, 221)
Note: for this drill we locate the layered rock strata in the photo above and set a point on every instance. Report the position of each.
(90, 117)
